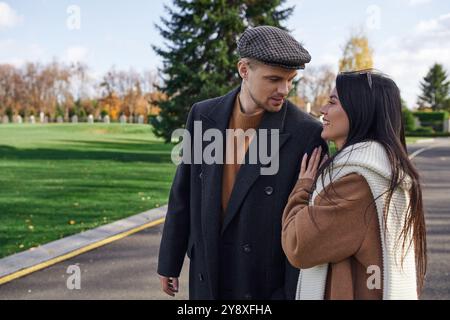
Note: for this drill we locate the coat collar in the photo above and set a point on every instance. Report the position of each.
(370, 155)
(219, 115)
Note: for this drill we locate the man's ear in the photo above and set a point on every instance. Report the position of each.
(243, 69)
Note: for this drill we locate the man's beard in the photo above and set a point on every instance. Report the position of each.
(259, 104)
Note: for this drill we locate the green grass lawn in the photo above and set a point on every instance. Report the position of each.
(410, 140)
(57, 180)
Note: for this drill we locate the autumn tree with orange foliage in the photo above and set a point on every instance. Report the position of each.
(60, 90)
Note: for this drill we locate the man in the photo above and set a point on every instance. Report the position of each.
(227, 216)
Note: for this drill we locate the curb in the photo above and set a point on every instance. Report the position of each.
(24, 263)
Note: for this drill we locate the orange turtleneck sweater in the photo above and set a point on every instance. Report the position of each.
(235, 151)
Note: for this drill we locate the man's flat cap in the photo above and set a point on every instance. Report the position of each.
(273, 46)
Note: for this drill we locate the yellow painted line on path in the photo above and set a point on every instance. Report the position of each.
(77, 252)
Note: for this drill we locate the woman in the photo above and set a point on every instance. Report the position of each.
(355, 224)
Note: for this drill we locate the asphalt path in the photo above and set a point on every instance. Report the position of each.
(434, 168)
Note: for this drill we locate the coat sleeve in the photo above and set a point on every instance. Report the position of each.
(333, 228)
(176, 230)
(291, 273)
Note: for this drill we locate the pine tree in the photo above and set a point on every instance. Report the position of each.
(200, 59)
(435, 89)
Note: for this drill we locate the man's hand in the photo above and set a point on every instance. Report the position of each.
(169, 285)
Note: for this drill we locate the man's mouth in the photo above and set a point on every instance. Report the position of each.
(277, 100)
(326, 122)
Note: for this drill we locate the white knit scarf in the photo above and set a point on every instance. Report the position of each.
(370, 160)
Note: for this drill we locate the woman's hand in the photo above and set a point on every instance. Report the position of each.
(309, 171)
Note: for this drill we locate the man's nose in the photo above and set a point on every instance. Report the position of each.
(323, 110)
(284, 89)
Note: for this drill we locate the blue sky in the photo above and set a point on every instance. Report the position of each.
(407, 35)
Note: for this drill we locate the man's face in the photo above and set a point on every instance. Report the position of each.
(268, 86)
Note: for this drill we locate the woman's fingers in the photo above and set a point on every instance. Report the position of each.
(317, 159)
(313, 163)
(312, 160)
(309, 168)
(306, 172)
(303, 166)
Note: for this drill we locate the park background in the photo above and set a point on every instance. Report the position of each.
(90, 92)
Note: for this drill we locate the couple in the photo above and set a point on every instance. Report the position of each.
(347, 226)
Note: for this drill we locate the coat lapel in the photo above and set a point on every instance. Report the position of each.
(249, 173)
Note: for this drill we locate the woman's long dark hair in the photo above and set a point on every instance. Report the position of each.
(372, 103)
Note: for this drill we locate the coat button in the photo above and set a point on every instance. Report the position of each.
(268, 190)
(200, 175)
(200, 277)
(247, 296)
(247, 248)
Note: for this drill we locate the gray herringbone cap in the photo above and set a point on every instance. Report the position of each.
(273, 46)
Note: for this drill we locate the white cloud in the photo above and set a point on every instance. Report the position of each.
(437, 27)
(329, 59)
(408, 59)
(76, 54)
(14, 53)
(408, 68)
(8, 17)
(415, 3)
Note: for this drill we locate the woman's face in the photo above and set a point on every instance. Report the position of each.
(335, 121)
